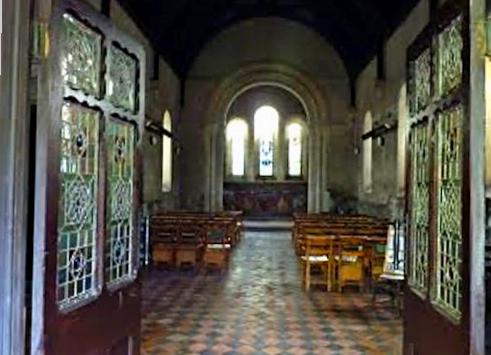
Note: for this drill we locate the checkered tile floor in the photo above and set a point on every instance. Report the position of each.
(258, 307)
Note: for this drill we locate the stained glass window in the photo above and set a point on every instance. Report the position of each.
(367, 154)
(236, 141)
(449, 64)
(448, 268)
(81, 56)
(122, 79)
(77, 212)
(294, 136)
(120, 171)
(167, 154)
(265, 130)
(420, 202)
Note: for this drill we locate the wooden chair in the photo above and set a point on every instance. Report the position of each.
(164, 242)
(217, 245)
(376, 257)
(190, 244)
(392, 278)
(317, 253)
(350, 263)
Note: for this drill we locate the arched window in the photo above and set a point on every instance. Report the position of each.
(236, 141)
(167, 153)
(367, 154)
(402, 133)
(294, 137)
(265, 130)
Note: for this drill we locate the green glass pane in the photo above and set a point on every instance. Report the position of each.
(120, 163)
(122, 79)
(420, 203)
(448, 277)
(449, 63)
(422, 73)
(77, 211)
(81, 58)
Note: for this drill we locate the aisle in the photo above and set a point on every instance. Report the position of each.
(258, 307)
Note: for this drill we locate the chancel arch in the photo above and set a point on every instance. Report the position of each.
(296, 84)
(265, 159)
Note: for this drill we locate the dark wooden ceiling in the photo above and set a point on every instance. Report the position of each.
(179, 29)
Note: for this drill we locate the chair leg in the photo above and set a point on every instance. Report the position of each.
(307, 276)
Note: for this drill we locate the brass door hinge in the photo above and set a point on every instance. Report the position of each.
(41, 41)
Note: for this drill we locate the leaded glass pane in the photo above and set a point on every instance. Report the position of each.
(449, 63)
(77, 214)
(294, 134)
(167, 155)
(81, 59)
(122, 79)
(265, 130)
(420, 193)
(448, 278)
(422, 82)
(120, 171)
(237, 137)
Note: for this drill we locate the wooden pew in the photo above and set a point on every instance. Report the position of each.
(181, 237)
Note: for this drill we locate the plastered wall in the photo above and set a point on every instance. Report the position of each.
(268, 40)
(162, 93)
(386, 100)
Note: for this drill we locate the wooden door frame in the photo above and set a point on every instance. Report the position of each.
(474, 14)
(477, 127)
(14, 167)
(52, 93)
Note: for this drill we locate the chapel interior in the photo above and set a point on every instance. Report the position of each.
(245, 177)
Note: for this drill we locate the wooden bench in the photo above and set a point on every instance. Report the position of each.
(183, 237)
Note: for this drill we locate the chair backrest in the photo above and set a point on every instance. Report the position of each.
(317, 245)
(164, 234)
(394, 252)
(190, 233)
(351, 247)
(217, 232)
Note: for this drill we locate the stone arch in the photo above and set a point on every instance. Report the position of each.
(298, 84)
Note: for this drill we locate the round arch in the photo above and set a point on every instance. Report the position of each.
(256, 75)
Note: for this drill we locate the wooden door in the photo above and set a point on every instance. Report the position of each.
(437, 296)
(86, 290)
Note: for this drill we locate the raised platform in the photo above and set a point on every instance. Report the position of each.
(268, 224)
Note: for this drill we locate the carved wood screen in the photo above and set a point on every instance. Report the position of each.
(437, 279)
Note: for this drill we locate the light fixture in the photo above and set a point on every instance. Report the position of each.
(380, 141)
(153, 140)
(379, 89)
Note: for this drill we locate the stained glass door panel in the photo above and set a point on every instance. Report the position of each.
(420, 203)
(78, 210)
(86, 294)
(436, 314)
(82, 57)
(122, 78)
(120, 262)
(422, 88)
(447, 288)
(448, 63)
